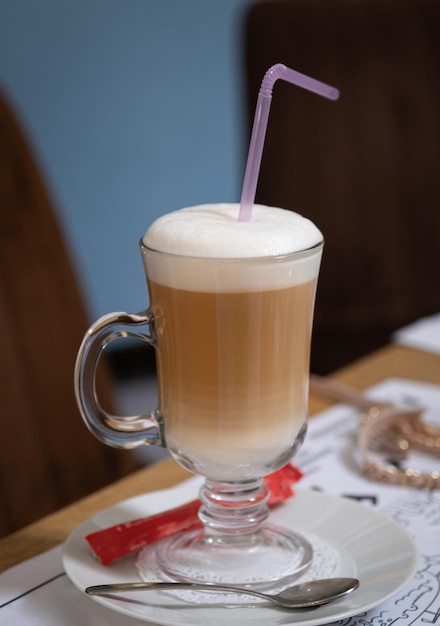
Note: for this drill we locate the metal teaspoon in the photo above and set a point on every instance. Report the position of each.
(305, 595)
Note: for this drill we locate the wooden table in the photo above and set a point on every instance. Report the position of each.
(395, 361)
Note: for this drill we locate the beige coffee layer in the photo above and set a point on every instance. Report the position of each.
(233, 370)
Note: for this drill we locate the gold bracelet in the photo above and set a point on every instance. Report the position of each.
(393, 431)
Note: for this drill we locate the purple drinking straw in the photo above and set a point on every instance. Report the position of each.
(260, 124)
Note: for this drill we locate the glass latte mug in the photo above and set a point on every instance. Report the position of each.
(232, 340)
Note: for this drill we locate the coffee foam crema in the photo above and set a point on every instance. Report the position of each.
(213, 231)
(206, 242)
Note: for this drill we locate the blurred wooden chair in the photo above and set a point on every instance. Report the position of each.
(47, 456)
(365, 169)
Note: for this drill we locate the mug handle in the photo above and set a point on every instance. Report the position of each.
(113, 430)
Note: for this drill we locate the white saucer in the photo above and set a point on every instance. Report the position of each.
(371, 547)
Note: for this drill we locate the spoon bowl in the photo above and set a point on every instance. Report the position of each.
(301, 596)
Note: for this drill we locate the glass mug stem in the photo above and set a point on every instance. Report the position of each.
(119, 432)
(233, 508)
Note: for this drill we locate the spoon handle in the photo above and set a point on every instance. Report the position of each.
(98, 590)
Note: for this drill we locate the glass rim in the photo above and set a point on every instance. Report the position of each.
(271, 258)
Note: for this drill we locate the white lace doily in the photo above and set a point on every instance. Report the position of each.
(324, 563)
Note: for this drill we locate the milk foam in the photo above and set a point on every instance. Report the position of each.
(213, 231)
(208, 249)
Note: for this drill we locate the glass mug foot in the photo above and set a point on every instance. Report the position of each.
(270, 559)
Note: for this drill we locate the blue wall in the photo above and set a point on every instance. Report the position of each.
(134, 108)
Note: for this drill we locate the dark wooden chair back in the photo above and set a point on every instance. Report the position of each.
(47, 456)
(365, 169)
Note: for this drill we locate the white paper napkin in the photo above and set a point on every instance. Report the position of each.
(423, 334)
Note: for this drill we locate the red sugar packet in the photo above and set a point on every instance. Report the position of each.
(112, 543)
